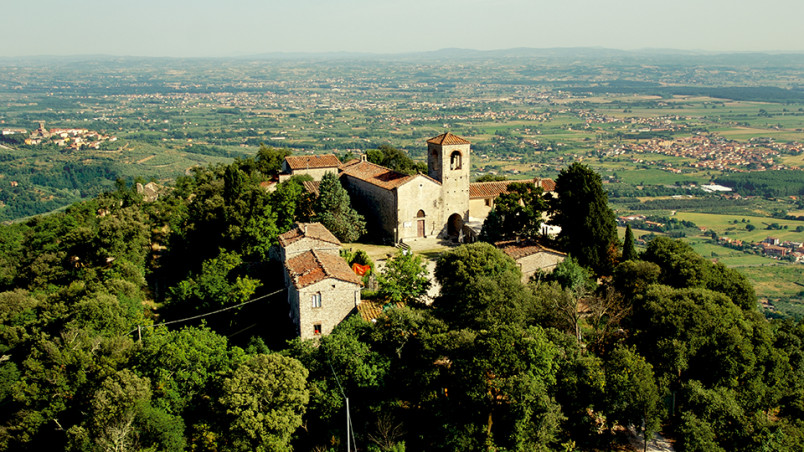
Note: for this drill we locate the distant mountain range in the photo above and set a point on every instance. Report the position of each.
(556, 54)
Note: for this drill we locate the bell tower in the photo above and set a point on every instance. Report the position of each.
(448, 161)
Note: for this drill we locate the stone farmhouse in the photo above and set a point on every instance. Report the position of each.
(531, 257)
(314, 166)
(322, 289)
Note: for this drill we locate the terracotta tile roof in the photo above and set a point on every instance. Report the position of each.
(547, 184)
(376, 175)
(349, 163)
(311, 230)
(312, 186)
(370, 309)
(447, 139)
(481, 190)
(300, 162)
(523, 249)
(313, 266)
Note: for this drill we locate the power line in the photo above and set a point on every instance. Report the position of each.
(139, 327)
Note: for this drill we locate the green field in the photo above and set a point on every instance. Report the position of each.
(734, 227)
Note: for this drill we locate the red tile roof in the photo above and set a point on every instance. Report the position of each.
(447, 139)
(310, 230)
(371, 310)
(349, 163)
(482, 190)
(300, 162)
(376, 175)
(547, 184)
(314, 266)
(523, 249)
(312, 186)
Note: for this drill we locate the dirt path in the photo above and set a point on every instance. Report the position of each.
(658, 444)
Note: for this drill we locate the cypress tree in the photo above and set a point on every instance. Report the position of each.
(588, 225)
(629, 252)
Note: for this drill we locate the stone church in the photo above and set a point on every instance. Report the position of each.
(402, 207)
(414, 206)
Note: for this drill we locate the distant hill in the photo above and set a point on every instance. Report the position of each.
(557, 54)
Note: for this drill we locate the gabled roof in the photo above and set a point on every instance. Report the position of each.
(481, 190)
(518, 250)
(314, 266)
(547, 184)
(447, 139)
(308, 230)
(376, 174)
(300, 162)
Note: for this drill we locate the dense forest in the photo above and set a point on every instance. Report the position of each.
(133, 325)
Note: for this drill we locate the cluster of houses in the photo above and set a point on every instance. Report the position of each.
(72, 138)
(713, 152)
(774, 247)
(323, 289)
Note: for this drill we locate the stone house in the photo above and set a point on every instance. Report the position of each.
(303, 237)
(531, 257)
(322, 289)
(313, 165)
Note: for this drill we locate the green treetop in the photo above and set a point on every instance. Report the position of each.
(588, 225)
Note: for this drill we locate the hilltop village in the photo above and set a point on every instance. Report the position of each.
(67, 138)
(403, 208)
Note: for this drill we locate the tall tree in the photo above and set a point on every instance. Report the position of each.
(480, 286)
(631, 391)
(269, 159)
(333, 209)
(629, 252)
(265, 399)
(404, 278)
(588, 225)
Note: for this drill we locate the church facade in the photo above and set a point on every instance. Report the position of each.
(407, 207)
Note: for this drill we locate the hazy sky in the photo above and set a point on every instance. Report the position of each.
(245, 27)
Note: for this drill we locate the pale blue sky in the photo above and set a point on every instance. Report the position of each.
(184, 28)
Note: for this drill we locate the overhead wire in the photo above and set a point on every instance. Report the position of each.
(199, 316)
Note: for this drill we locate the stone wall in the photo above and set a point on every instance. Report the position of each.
(480, 208)
(376, 204)
(423, 194)
(306, 244)
(545, 261)
(338, 298)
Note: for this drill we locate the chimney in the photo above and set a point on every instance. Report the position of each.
(363, 157)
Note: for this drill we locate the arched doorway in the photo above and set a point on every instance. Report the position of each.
(420, 224)
(454, 225)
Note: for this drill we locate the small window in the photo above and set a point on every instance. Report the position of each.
(317, 300)
(488, 202)
(317, 329)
